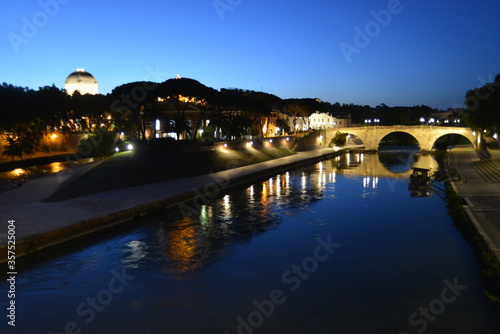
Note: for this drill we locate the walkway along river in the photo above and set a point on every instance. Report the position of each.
(335, 247)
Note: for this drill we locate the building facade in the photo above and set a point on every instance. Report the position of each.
(318, 121)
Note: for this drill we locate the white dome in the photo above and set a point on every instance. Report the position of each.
(81, 81)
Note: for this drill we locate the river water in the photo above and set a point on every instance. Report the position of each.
(339, 246)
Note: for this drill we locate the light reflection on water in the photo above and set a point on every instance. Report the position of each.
(199, 273)
(19, 176)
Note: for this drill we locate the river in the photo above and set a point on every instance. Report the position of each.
(339, 246)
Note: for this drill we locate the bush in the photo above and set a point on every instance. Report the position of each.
(339, 139)
(100, 143)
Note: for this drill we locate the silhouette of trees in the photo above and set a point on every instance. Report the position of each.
(483, 106)
(134, 102)
(185, 93)
(27, 115)
(91, 109)
(22, 140)
(300, 108)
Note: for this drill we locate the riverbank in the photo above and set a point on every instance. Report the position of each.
(39, 224)
(474, 203)
(145, 166)
(38, 158)
(479, 185)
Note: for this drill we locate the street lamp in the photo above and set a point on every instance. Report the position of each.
(422, 120)
(376, 120)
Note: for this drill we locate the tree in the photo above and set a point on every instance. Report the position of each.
(184, 93)
(483, 107)
(297, 108)
(283, 125)
(339, 139)
(23, 139)
(94, 108)
(24, 119)
(53, 107)
(132, 101)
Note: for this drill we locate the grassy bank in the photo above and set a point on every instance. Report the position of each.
(147, 166)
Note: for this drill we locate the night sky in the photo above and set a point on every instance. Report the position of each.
(351, 51)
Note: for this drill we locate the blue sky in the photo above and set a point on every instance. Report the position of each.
(418, 52)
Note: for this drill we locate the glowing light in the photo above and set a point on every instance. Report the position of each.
(287, 139)
(56, 167)
(130, 147)
(225, 145)
(117, 149)
(157, 125)
(495, 136)
(54, 136)
(16, 172)
(270, 140)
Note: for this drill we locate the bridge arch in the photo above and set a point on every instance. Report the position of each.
(472, 140)
(398, 134)
(426, 135)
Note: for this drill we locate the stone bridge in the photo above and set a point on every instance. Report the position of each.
(426, 135)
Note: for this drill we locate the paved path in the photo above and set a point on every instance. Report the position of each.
(479, 185)
(42, 224)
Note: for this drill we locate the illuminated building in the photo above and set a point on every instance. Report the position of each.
(81, 81)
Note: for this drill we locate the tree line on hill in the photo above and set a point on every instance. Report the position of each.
(27, 114)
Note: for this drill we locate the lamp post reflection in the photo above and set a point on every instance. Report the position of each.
(191, 243)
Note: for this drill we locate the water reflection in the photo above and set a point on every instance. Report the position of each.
(400, 160)
(199, 273)
(189, 244)
(17, 177)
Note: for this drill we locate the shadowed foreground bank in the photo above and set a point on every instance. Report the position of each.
(146, 166)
